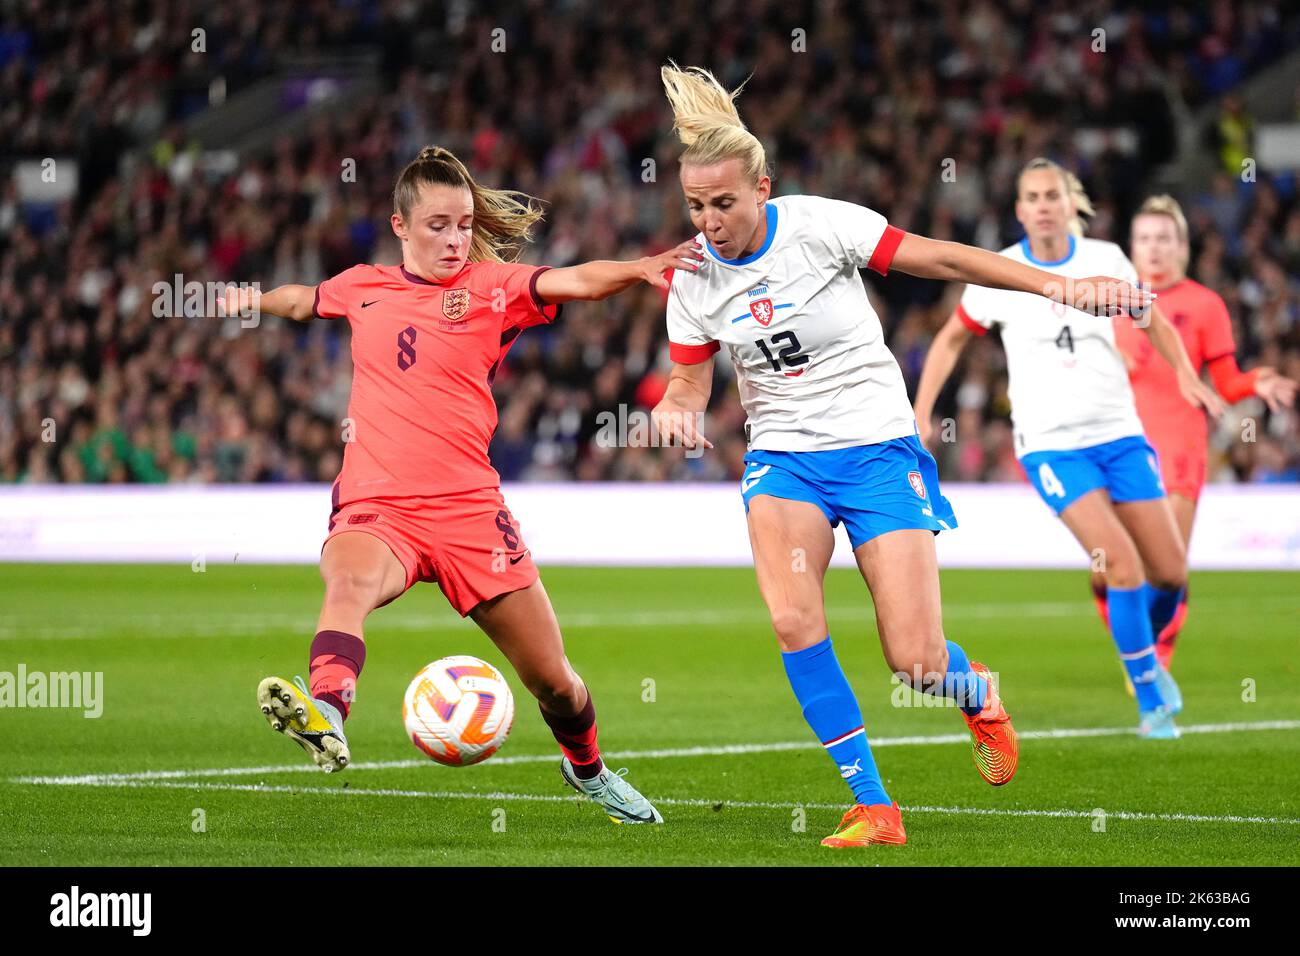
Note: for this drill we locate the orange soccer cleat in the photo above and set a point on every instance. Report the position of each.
(996, 748)
(869, 826)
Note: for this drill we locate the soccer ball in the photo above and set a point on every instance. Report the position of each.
(458, 710)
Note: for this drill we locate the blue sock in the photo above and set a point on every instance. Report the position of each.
(832, 712)
(967, 689)
(1130, 626)
(1162, 605)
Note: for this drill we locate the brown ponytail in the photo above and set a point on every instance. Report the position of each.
(503, 218)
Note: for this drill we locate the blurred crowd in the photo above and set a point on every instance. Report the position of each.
(868, 102)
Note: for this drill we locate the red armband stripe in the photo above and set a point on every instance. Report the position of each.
(967, 321)
(883, 254)
(691, 354)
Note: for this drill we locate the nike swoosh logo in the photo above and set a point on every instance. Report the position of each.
(577, 785)
(648, 818)
(516, 560)
(366, 305)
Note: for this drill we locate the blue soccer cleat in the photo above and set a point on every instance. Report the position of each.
(1158, 724)
(1169, 691)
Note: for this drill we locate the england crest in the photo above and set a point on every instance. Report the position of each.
(455, 303)
(917, 482)
(761, 310)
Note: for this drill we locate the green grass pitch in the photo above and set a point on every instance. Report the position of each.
(182, 652)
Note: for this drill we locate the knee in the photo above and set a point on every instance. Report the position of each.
(352, 586)
(1119, 567)
(797, 627)
(1170, 575)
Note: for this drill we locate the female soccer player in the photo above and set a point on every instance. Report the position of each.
(417, 499)
(1077, 432)
(1178, 430)
(831, 435)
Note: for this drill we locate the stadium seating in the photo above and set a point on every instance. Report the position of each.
(870, 114)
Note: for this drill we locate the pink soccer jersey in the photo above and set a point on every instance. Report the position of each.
(1177, 429)
(1202, 322)
(424, 355)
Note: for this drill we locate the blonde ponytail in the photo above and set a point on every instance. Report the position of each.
(707, 122)
(503, 218)
(1082, 204)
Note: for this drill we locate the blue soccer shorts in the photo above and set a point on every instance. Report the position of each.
(1127, 468)
(872, 489)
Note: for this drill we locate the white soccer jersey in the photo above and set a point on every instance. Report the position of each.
(810, 355)
(1068, 383)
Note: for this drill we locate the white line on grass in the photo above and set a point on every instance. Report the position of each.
(182, 624)
(682, 802)
(230, 625)
(1062, 733)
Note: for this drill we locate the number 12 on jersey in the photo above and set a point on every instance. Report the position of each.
(789, 354)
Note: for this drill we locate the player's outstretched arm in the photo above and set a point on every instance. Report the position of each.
(290, 301)
(602, 278)
(1169, 344)
(1277, 391)
(939, 362)
(954, 262)
(678, 413)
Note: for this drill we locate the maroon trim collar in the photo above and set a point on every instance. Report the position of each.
(420, 280)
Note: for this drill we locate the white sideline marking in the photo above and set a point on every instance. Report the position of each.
(182, 624)
(169, 625)
(1063, 733)
(684, 802)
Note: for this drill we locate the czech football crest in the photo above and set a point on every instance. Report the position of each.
(917, 483)
(455, 303)
(761, 310)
